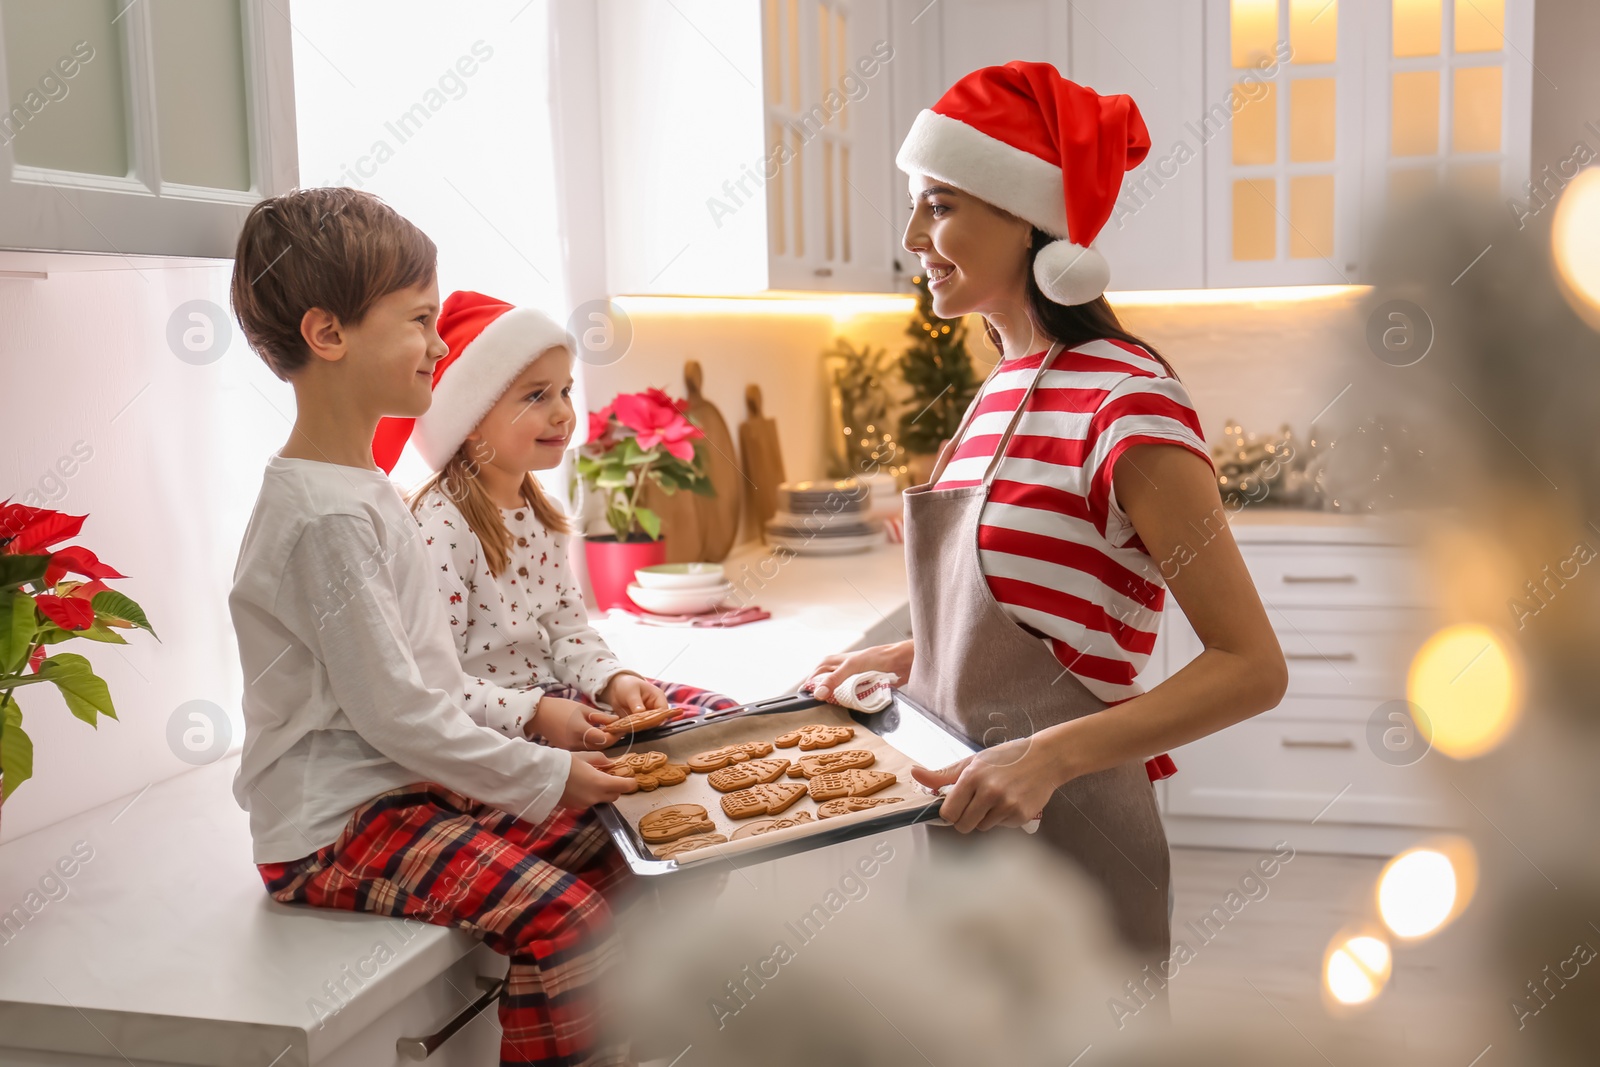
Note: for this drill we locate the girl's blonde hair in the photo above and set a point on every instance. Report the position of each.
(459, 483)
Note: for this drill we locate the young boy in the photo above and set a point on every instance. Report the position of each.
(368, 787)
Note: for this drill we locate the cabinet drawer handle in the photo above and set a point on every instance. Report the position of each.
(1325, 579)
(1294, 742)
(823, 272)
(1337, 657)
(420, 1048)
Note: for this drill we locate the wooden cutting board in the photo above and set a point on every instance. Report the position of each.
(718, 516)
(763, 463)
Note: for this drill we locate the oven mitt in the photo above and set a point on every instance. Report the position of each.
(869, 691)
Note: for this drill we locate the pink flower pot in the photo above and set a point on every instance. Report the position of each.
(612, 563)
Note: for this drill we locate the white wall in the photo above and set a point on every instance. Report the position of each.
(175, 452)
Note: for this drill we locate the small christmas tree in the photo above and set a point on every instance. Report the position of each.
(938, 371)
(860, 387)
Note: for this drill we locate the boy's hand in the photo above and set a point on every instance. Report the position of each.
(588, 784)
(628, 693)
(570, 725)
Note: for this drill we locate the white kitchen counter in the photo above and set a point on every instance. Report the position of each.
(819, 605)
(163, 945)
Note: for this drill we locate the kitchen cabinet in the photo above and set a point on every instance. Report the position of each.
(1323, 116)
(746, 148)
(1349, 611)
(141, 129)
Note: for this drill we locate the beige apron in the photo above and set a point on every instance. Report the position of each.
(989, 679)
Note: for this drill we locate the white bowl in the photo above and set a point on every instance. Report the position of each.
(680, 576)
(679, 601)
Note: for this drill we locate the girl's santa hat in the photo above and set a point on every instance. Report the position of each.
(1050, 151)
(491, 342)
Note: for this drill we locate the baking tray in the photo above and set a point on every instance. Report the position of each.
(904, 725)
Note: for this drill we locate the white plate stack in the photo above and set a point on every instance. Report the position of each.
(680, 588)
(824, 518)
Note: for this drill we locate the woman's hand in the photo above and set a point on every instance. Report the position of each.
(834, 669)
(628, 693)
(570, 725)
(1007, 785)
(588, 783)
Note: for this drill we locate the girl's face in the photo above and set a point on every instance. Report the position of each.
(974, 254)
(531, 424)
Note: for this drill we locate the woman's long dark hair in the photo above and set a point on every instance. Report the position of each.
(1072, 324)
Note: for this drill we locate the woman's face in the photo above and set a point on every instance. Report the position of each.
(975, 255)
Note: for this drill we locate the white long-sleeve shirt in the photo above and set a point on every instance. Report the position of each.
(352, 684)
(526, 627)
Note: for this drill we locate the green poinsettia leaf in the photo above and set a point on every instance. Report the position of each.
(16, 748)
(101, 632)
(85, 692)
(119, 607)
(18, 622)
(18, 570)
(649, 522)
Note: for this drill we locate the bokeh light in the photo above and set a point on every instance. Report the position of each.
(1357, 969)
(1575, 247)
(1464, 678)
(1423, 888)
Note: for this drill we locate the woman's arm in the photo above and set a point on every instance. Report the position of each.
(1170, 496)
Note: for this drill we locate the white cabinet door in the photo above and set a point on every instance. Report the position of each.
(1152, 51)
(144, 128)
(1449, 98)
(746, 147)
(1283, 150)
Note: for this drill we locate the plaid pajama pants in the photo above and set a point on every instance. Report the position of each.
(534, 893)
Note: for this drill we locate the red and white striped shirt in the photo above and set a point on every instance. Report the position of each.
(1060, 555)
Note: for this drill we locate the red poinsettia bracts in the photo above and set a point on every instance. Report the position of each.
(657, 420)
(640, 438)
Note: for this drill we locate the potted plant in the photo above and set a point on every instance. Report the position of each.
(39, 607)
(939, 374)
(637, 439)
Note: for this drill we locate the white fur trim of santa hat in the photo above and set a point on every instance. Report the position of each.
(1013, 180)
(479, 377)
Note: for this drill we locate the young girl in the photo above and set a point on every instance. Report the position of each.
(501, 408)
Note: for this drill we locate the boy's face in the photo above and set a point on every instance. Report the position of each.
(396, 345)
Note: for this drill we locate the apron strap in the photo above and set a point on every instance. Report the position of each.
(948, 452)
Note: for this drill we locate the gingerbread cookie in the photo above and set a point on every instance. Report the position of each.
(674, 821)
(845, 805)
(769, 799)
(817, 735)
(639, 721)
(673, 849)
(745, 775)
(827, 762)
(636, 763)
(852, 783)
(767, 825)
(666, 774)
(718, 758)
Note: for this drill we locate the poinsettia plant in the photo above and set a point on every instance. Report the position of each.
(637, 439)
(40, 606)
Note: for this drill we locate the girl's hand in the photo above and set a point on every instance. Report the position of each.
(1007, 785)
(628, 693)
(570, 725)
(588, 783)
(834, 669)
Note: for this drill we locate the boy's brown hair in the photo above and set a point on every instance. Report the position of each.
(337, 249)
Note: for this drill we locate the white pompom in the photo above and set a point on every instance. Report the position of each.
(1071, 274)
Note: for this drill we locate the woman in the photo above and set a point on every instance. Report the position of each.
(1077, 490)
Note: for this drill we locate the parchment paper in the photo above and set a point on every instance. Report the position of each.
(698, 790)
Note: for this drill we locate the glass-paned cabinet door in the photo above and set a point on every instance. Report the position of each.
(1449, 95)
(141, 128)
(1281, 129)
(825, 90)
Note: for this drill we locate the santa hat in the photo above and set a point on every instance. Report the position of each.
(1050, 151)
(491, 342)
